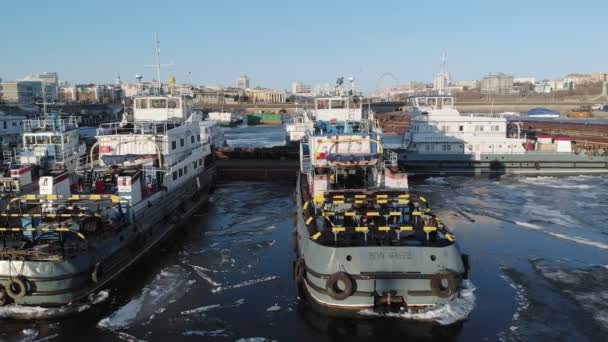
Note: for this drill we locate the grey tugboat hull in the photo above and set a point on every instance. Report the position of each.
(57, 283)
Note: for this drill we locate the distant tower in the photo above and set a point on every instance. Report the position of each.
(243, 82)
(442, 80)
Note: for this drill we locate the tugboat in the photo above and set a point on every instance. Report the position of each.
(70, 240)
(362, 241)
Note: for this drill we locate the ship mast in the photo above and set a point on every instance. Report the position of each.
(157, 50)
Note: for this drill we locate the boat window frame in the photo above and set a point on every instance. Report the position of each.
(337, 104)
(158, 103)
(325, 103)
(138, 103)
(173, 103)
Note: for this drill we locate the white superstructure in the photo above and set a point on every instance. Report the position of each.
(438, 128)
(338, 108)
(166, 138)
(52, 142)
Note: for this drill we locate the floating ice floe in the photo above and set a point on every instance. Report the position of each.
(28, 335)
(127, 337)
(203, 309)
(580, 240)
(437, 180)
(254, 339)
(456, 310)
(243, 284)
(201, 273)
(585, 284)
(211, 333)
(521, 298)
(170, 285)
(275, 307)
(528, 225)
(37, 312)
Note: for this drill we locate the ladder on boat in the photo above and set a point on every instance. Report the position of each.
(305, 162)
(88, 179)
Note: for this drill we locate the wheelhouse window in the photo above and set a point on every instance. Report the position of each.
(173, 145)
(192, 139)
(43, 140)
(174, 175)
(181, 173)
(158, 103)
(322, 104)
(142, 103)
(338, 104)
(56, 139)
(182, 142)
(173, 103)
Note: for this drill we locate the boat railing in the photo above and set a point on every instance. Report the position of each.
(50, 124)
(52, 153)
(390, 159)
(138, 127)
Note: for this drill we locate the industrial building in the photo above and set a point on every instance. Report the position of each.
(497, 84)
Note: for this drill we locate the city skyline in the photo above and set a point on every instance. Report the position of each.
(314, 43)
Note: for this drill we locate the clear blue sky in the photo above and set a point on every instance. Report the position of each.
(277, 42)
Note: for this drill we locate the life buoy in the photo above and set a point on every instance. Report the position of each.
(437, 284)
(97, 273)
(336, 292)
(17, 287)
(300, 270)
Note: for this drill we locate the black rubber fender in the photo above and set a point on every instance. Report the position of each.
(437, 284)
(466, 262)
(295, 241)
(17, 287)
(332, 286)
(3, 296)
(97, 273)
(300, 270)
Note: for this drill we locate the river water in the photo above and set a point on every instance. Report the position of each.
(538, 246)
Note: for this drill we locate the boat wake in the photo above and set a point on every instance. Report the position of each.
(450, 313)
(37, 312)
